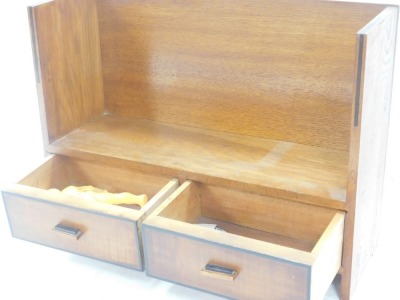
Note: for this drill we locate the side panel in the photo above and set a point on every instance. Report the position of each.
(368, 144)
(66, 47)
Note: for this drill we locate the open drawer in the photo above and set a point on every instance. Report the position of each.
(103, 231)
(270, 248)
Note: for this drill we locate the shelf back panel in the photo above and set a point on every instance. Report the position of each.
(281, 70)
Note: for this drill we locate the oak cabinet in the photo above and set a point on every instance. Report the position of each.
(266, 118)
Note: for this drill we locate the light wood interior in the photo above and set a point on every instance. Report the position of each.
(60, 172)
(328, 251)
(277, 221)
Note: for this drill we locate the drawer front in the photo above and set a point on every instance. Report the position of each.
(180, 259)
(74, 230)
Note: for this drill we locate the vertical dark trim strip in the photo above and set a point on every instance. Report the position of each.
(359, 76)
(3, 196)
(145, 258)
(309, 270)
(32, 27)
(138, 247)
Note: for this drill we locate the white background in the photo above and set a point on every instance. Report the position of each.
(29, 271)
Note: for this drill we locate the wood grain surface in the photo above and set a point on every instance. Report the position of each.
(328, 251)
(265, 270)
(193, 203)
(105, 238)
(32, 208)
(276, 98)
(281, 169)
(62, 171)
(368, 145)
(67, 53)
(180, 260)
(273, 69)
(279, 216)
(282, 222)
(259, 234)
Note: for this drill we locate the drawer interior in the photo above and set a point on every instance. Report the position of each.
(284, 233)
(77, 223)
(278, 221)
(60, 172)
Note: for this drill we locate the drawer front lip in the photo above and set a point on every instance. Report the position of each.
(146, 227)
(139, 266)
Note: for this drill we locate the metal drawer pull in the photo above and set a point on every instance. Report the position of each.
(68, 230)
(220, 272)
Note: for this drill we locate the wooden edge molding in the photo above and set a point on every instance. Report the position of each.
(38, 76)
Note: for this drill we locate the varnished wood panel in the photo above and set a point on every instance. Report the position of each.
(31, 196)
(186, 206)
(259, 234)
(328, 251)
(277, 221)
(279, 216)
(105, 238)
(61, 171)
(280, 70)
(281, 169)
(50, 174)
(68, 64)
(177, 251)
(368, 144)
(250, 89)
(178, 259)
